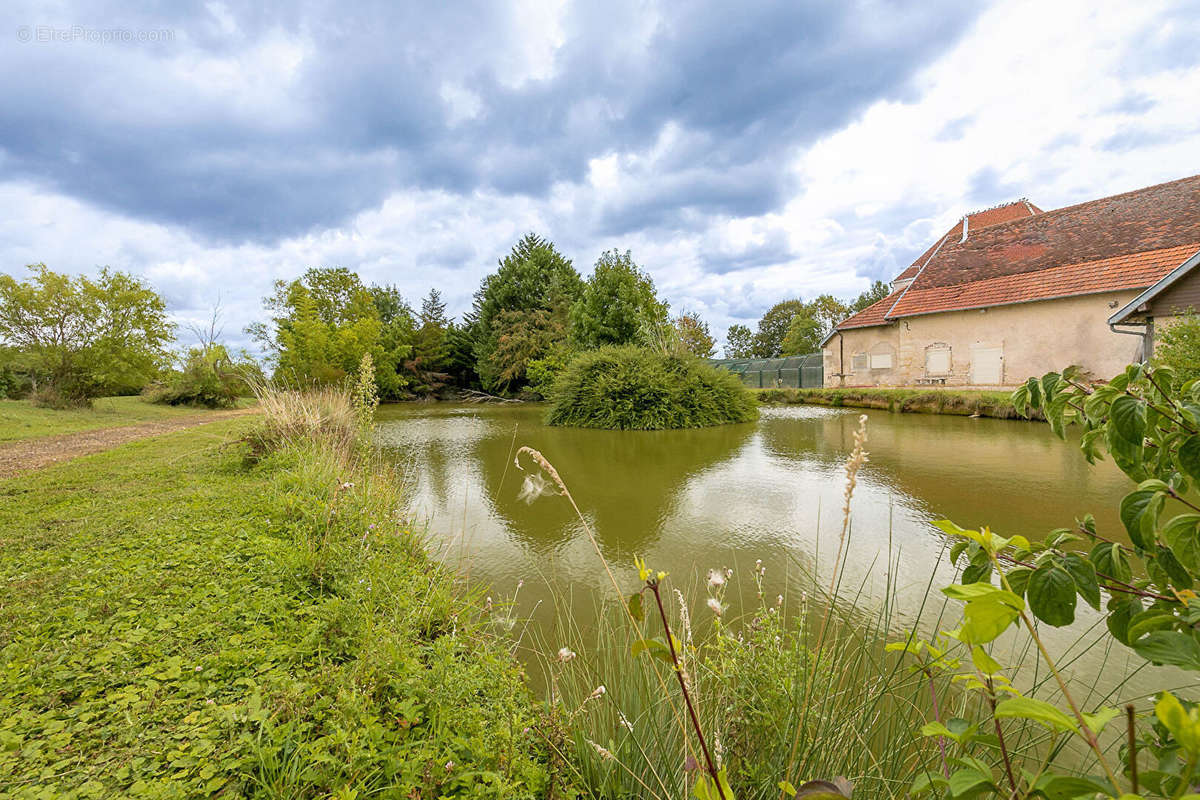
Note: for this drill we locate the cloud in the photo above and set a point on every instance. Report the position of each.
(254, 124)
(745, 153)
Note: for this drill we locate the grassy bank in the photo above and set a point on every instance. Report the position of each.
(175, 623)
(19, 419)
(959, 402)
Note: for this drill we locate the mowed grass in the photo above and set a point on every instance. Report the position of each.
(19, 419)
(175, 623)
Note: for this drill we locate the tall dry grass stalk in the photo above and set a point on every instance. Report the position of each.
(318, 414)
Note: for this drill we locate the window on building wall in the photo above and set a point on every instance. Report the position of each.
(881, 360)
(859, 362)
(937, 360)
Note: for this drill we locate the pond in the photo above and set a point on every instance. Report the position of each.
(693, 500)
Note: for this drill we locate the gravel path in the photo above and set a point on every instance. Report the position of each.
(27, 455)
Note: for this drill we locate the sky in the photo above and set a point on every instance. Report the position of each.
(744, 152)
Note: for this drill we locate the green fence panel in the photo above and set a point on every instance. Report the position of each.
(793, 372)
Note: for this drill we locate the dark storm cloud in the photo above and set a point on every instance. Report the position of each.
(208, 131)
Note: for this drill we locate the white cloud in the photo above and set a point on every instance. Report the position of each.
(1038, 99)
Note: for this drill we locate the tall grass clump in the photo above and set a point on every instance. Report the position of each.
(672, 695)
(318, 414)
(635, 388)
(417, 696)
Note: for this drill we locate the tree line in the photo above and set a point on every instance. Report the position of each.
(65, 340)
(794, 327)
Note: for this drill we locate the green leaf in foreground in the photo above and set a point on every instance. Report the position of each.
(1169, 647)
(1129, 418)
(1051, 595)
(1189, 456)
(1182, 535)
(1037, 710)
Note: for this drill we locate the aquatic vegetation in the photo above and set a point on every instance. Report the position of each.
(637, 388)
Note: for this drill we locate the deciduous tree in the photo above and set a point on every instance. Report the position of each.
(803, 336)
(694, 336)
(80, 337)
(739, 342)
(768, 340)
(324, 322)
(618, 305)
(877, 292)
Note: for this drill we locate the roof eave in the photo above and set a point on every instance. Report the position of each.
(1130, 308)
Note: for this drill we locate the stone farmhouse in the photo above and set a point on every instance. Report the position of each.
(1015, 291)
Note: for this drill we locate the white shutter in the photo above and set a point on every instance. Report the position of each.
(987, 366)
(937, 361)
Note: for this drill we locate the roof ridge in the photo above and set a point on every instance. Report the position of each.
(1108, 197)
(1022, 199)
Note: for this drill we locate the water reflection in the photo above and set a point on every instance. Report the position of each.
(772, 490)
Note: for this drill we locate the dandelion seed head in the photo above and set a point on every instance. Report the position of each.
(715, 605)
(597, 693)
(565, 654)
(716, 578)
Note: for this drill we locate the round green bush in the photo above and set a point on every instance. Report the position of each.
(633, 388)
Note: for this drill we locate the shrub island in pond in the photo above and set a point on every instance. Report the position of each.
(636, 388)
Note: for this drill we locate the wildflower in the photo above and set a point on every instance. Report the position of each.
(715, 605)
(597, 693)
(565, 654)
(449, 766)
(625, 723)
(520, 583)
(779, 601)
(209, 702)
(716, 578)
(604, 752)
(347, 485)
(371, 527)
(198, 668)
(728, 573)
(488, 605)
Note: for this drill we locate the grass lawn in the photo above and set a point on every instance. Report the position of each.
(21, 420)
(174, 623)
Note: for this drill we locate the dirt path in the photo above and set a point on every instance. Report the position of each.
(27, 455)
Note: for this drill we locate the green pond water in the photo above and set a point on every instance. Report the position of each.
(693, 500)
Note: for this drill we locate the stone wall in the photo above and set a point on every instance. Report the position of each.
(973, 348)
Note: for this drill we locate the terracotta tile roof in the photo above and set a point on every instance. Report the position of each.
(872, 314)
(1128, 241)
(1135, 271)
(1017, 209)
